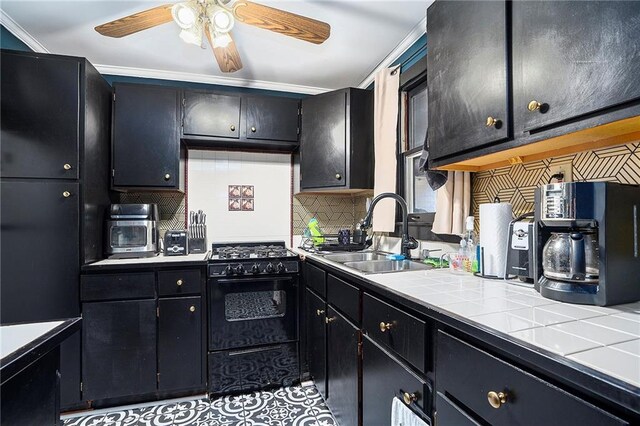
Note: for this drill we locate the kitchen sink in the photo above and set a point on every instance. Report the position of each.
(354, 257)
(384, 266)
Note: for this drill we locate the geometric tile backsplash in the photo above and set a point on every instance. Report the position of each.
(171, 207)
(334, 212)
(516, 184)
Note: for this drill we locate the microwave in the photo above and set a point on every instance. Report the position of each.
(132, 231)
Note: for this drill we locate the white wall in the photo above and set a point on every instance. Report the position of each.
(211, 172)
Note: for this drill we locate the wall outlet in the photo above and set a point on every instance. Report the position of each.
(566, 169)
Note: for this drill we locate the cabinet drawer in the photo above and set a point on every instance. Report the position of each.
(117, 286)
(448, 413)
(397, 330)
(469, 375)
(315, 279)
(345, 297)
(383, 378)
(174, 283)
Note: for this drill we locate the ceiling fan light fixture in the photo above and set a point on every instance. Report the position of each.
(192, 35)
(221, 40)
(221, 19)
(184, 15)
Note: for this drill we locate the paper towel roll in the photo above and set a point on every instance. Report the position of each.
(494, 229)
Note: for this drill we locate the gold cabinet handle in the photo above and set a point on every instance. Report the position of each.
(253, 130)
(496, 399)
(534, 106)
(192, 308)
(233, 128)
(167, 176)
(384, 326)
(492, 122)
(179, 283)
(319, 312)
(66, 194)
(329, 320)
(67, 166)
(409, 397)
(338, 176)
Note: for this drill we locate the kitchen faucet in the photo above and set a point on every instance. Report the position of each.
(408, 243)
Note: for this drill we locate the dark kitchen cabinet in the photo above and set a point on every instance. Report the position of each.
(467, 76)
(572, 59)
(55, 123)
(272, 118)
(316, 340)
(211, 114)
(40, 116)
(385, 377)
(119, 341)
(343, 364)
(146, 151)
(180, 349)
(336, 143)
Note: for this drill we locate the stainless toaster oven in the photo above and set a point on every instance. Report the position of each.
(132, 231)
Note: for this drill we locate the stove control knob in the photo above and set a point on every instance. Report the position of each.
(255, 269)
(239, 269)
(281, 268)
(228, 270)
(270, 268)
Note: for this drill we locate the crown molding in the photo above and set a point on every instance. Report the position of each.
(14, 28)
(418, 31)
(208, 79)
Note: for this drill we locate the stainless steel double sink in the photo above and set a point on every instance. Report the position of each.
(375, 263)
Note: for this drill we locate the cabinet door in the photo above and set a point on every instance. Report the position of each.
(119, 348)
(574, 58)
(467, 79)
(40, 116)
(40, 263)
(383, 378)
(180, 349)
(316, 340)
(146, 137)
(323, 141)
(210, 114)
(343, 388)
(448, 414)
(272, 118)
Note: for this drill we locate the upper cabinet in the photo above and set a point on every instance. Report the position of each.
(467, 76)
(336, 145)
(229, 120)
(146, 138)
(574, 59)
(40, 116)
(512, 82)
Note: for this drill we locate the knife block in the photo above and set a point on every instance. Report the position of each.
(197, 244)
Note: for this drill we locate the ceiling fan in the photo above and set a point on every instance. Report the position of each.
(214, 20)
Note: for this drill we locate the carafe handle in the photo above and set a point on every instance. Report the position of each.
(577, 264)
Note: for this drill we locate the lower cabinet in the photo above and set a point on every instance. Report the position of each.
(383, 378)
(180, 350)
(119, 348)
(343, 385)
(449, 414)
(316, 341)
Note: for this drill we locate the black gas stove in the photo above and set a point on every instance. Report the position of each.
(260, 258)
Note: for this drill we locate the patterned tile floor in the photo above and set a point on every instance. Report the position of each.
(290, 406)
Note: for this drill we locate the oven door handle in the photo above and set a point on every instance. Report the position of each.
(251, 280)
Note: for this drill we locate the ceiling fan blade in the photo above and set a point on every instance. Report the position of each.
(137, 22)
(227, 57)
(282, 22)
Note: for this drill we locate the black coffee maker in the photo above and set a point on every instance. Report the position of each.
(588, 242)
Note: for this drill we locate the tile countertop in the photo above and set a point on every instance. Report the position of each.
(606, 339)
(161, 258)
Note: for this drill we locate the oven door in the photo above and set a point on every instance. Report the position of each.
(252, 311)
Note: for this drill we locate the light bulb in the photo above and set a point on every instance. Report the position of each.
(221, 19)
(184, 15)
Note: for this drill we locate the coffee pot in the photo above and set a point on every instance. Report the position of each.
(571, 256)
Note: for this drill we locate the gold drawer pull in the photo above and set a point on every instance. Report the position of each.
(192, 308)
(384, 326)
(496, 399)
(66, 194)
(319, 312)
(179, 283)
(67, 166)
(534, 106)
(492, 122)
(409, 397)
(329, 320)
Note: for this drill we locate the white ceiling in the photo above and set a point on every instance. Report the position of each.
(363, 34)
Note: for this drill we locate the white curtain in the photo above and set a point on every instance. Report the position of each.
(453, 202)
(387, 82)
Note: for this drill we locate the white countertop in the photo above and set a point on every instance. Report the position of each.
(155, 259)
(606, 339)
(14, 337)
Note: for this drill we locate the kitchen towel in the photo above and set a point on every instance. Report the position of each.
(453, 202)
(401, 415)
(494, 228)
(385, 132)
